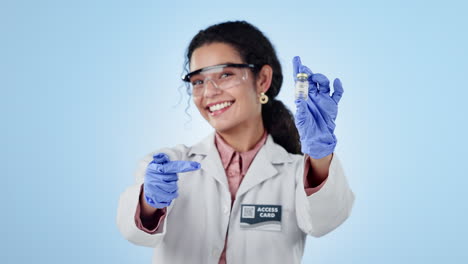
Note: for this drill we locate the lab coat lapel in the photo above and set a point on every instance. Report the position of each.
(211, 164)
(262, 167)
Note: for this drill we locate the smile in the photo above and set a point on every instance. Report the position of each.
(219, 108)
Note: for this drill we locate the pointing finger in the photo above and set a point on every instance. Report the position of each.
(179, 166)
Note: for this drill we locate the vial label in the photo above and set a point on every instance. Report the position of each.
(302, 89)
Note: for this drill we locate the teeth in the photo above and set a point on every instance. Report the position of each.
(220, 106)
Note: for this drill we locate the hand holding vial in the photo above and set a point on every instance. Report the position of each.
(316, 113)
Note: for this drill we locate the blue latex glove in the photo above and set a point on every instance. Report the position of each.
(315, 117)
(160, 183)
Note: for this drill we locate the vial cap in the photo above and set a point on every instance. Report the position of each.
(304, 75)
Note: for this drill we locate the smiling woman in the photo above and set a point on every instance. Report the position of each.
(253, 189)
(237, 107)
(242, 43)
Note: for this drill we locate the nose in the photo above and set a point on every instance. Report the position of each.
(211, 88)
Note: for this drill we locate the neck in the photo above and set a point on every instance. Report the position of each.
(244, 137)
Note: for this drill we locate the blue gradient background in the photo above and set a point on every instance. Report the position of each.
(89, 87)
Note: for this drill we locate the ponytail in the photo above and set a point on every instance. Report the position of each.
(279, 122)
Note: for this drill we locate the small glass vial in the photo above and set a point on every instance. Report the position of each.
(302, 86)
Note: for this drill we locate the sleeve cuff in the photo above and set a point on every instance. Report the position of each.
(310, 190)
(160, 216)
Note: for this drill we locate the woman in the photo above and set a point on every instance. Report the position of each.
(246, 193)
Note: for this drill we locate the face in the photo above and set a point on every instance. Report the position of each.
(240, 106)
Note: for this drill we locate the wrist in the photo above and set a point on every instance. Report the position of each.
(317, 150)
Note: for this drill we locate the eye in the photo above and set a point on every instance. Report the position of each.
(225, 75)
(197, 82)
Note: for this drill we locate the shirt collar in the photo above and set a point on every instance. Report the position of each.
(226, 151)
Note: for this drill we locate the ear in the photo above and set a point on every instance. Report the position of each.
(264, 79)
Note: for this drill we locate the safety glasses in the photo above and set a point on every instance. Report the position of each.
(223, 76)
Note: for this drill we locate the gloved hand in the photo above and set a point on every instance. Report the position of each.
(315, 117)
(160, 183)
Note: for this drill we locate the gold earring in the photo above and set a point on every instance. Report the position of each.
(263, 98)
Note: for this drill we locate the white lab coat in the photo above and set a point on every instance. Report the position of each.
(197, 221)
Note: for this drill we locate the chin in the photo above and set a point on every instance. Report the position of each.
(222, 127)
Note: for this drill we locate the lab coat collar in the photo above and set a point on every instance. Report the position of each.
(261, 169)
(274, 152)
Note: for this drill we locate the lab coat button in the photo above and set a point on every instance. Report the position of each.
(226, 210)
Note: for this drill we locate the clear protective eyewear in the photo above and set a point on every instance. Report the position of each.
(223, 76)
